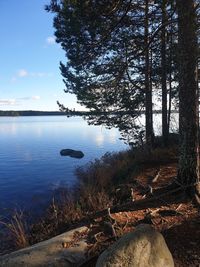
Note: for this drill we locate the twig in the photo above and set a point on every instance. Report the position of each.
(155, 179)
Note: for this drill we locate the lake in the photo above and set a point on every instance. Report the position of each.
(31, 167)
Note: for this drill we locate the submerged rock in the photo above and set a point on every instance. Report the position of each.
(72, 153)
(145, 247)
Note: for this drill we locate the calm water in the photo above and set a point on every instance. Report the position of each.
(31, 167)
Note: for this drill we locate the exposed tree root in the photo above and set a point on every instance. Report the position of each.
(163, 196)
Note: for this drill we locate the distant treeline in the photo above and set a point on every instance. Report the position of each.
(15, 113)
(30, 113)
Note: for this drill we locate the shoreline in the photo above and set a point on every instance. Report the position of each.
(97, 184)
(119, 173)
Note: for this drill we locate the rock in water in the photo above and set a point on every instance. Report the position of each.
(145, 247)
(66, 152)
(72, 153)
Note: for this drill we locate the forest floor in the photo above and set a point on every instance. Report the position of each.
(179, 223)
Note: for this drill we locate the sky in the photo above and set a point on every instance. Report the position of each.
(30, 78)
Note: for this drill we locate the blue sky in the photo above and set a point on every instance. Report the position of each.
(29, 75)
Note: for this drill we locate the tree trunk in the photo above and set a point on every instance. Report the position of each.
(165, 132)
(170, 79)
(148, 89)
(188, 102)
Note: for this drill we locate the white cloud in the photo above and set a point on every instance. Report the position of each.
(35, 97)
(37, 74)
(9, 102)
(22, 73)
(51, 40)
(17, 101)
(40, 74)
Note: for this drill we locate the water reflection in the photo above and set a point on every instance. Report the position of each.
(30, 161)
(112, 137)
(99, 139)
(28, 156)
(11, 128)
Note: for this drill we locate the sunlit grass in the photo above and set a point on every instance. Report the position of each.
(18, 229)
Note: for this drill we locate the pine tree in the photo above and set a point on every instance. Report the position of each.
(188, 173)
(108, 66)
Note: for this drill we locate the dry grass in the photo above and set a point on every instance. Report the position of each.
(17, 228)
(96, 190)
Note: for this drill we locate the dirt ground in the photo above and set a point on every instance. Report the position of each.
(179, 223)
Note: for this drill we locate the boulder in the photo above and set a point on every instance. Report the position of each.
(50, 253)
(72, 153)
(145, 247)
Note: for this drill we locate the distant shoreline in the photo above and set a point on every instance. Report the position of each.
(19, 113)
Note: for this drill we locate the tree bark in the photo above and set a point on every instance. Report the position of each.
(188, 102)
(170, 80)
(165, 132)
(148, 89)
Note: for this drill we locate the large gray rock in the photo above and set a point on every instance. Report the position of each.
(145, 247)
(50, 253)
(72, 153)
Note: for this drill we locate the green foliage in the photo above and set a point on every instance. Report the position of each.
(104, 42)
